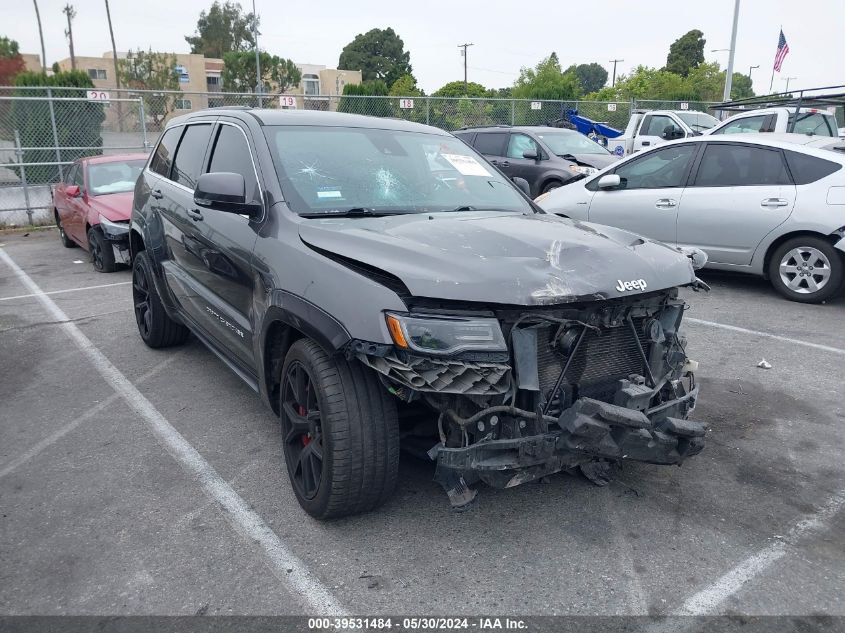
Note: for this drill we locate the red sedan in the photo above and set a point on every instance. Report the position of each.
(93, 206)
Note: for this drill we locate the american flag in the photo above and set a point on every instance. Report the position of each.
(783, 49)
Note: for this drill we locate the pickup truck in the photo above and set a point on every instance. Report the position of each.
(647, 128)
(779, 120)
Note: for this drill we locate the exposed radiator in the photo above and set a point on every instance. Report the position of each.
(601, 357)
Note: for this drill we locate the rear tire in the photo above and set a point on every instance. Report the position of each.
(63, 236)
(102, 254)
(156, 328)
(807, 269)
(340, 433)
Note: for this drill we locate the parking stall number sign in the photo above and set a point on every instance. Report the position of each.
(536, 105)
(406, 104)
(684, 105)
(611, 107)
(98, 95)
(287, 102)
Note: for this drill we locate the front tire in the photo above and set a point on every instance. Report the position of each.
(551, 186)
(156, 328)
(102, 254)
(340, 433)
(806, 269)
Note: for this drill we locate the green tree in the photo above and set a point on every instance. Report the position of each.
(78, 122)
(357, 99)
(456, 89)
(11, 62)
(278, 74)
(546, 81)
(591, 77)
(378, 54)
(222, 29)
(741, 87)
(405, 86)
(686, 53)
(151, 71)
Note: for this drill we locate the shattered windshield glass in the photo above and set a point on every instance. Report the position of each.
(334, 170)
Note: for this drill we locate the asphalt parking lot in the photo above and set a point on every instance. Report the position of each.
(106, 510)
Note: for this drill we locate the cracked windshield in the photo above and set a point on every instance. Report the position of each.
(393, 172)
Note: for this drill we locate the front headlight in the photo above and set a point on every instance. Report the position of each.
(445, 335)
(114, 229)
(581, 169)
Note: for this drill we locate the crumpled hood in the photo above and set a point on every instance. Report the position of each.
(114, 206)
(599, 161)
(506, 258)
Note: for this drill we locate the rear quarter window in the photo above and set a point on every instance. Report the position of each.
(491, 143)
(806, 169)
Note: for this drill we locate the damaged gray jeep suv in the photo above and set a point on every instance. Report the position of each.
(377, 281)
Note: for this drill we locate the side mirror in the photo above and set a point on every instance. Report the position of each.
(73, 191)
(609, 181)
(531, 153)
(523, 185)
(670, 133)
(224, 191)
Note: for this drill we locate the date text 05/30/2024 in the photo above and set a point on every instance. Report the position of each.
(417, 624)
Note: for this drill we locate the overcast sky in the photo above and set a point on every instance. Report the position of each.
(504, 40)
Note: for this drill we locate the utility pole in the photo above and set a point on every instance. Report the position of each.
(116, 71)
(729, 74)
(70, 13)
(41, 35)
(786, 79)
(258, 82)
(464, 55)
(614, 62)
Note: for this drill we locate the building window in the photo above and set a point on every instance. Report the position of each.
(183, 104)
(310, 85)
(97, 73)
(212, 80)
(183, 74)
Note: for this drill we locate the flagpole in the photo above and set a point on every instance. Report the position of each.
(772, 82)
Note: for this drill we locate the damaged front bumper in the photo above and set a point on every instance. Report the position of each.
(117, 235)
(588, 430)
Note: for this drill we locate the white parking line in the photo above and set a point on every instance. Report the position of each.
(51, 439)
(777, 337)
(58, 292)
(707, 600)
(290, 570)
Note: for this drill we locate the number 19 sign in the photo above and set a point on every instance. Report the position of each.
(287, 102)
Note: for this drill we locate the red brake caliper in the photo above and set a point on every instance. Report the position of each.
(306, 440)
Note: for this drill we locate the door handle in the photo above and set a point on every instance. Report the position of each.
(195, 215)
(646, 143)
(666, 203)
(773, 203)
(505, 163)
(157, 194)
(494, 162)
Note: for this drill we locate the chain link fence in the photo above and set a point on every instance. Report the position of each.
(43, 130)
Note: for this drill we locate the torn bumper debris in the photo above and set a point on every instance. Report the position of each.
(587, 431)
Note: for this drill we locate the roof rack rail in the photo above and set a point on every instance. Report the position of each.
(475, 127)
(806, 97)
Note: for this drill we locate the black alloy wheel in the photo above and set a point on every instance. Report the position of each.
(141, 300)
(302, 430)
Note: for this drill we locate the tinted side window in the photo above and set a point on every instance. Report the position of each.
(520, 143)
(806, 169)
(658, 169)
(466, 137)
(491, 143)
(231, 153)
(655, 125)
(746, 124)
(813, 123)
(187, 165)
(738, 165)
(163, 157)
